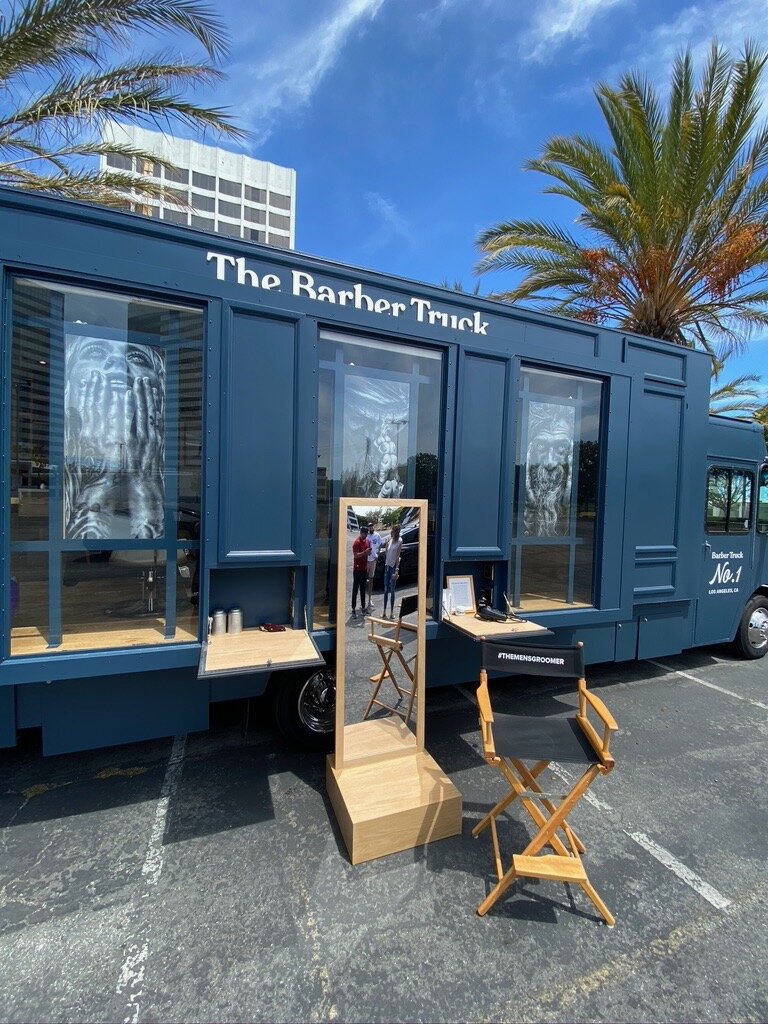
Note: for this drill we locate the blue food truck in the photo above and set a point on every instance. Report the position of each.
(182, 410)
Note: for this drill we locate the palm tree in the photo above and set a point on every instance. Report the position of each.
(737, 395)
(674, 213)
(68, 68)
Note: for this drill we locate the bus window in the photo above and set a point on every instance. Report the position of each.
(762, 502)
(729, 500)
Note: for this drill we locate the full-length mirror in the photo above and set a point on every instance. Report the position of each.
(380, 618)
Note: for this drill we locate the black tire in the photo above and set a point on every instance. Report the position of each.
(304, 704)
(752, 636)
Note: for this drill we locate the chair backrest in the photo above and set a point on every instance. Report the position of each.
(514, 659)
(409, 605)
(554, 662)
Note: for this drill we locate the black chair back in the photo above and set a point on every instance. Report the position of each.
(409, 605)
(514, 659)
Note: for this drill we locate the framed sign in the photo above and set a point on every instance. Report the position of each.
(461, 594)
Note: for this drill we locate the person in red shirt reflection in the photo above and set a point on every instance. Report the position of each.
(360, 548)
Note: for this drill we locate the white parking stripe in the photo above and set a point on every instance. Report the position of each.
(130, 982)
(678, 868)
(704, 682)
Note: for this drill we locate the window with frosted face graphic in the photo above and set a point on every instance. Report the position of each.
(114, 439)
(379, 413)
(556, 492)
(105, 468)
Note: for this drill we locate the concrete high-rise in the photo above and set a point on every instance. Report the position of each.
(227, 192)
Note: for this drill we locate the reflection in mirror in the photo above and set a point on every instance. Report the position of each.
(381, 610)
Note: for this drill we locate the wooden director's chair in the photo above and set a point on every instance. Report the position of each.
(390, 640)
(522, 747)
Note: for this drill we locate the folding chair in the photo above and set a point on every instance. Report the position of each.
(509, 741)
(391, 644)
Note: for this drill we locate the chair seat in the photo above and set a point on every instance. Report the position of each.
(542, 739)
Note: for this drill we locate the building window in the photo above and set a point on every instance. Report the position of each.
(280, 241)
(204, 181)
(729, 500)
(106, 436)
(119, 162)
(279, 201)
(148, 168)
(230, 188)
(255, 195)
(203, 203)
(206, 223)
(556, 490)
(229, 209)
(277, 220)
(176, 216)
(178, 174)
(378, 435)
(228, 229)
(255, 235)
(255, 216)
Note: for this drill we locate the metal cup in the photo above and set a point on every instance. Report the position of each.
(235, 620)
(218, 622)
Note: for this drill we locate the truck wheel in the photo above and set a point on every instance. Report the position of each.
(752, 638)
(305, 707)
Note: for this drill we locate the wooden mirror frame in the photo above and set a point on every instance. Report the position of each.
(342, 597)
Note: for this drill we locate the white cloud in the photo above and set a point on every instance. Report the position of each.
(394, 225)
(286, 80)
(730, 22)
(558, 22)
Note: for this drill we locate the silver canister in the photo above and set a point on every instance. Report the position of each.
(218, 622)
(235, 620)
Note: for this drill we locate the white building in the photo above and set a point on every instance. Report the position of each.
(227, 192)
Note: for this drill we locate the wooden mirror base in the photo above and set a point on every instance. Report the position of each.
(396, 801)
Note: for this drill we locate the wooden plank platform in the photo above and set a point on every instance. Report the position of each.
(479, 629)
(26, 640)
(393, 805)
(377, 739)
(255, 649)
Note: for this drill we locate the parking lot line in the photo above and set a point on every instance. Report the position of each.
(130, 980)
(704, 682)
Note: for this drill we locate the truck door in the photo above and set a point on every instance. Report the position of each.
(726, 575)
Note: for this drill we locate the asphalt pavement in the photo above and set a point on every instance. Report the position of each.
(203, 878)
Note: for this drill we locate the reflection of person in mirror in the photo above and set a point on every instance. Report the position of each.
(548, 469)
(387, 475)
(360, 549)
(114, 438)
(393, 550)
(374, 539)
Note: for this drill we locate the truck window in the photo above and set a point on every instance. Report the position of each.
(556, 496)
(378, 436)
(729, 500)
(762, 502)
(106, 435)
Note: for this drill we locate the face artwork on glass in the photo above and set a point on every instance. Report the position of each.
(114, 439)
(375, 436)
(548, 469)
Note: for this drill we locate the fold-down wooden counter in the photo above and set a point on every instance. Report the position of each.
(254, 649)
(480, 629)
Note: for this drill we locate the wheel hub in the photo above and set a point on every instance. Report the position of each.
(317, 700)
(757, 631)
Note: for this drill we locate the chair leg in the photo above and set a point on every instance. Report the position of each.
(601, 908)
(496, 892)
(529, 778)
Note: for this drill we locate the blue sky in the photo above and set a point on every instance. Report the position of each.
(408, 121)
